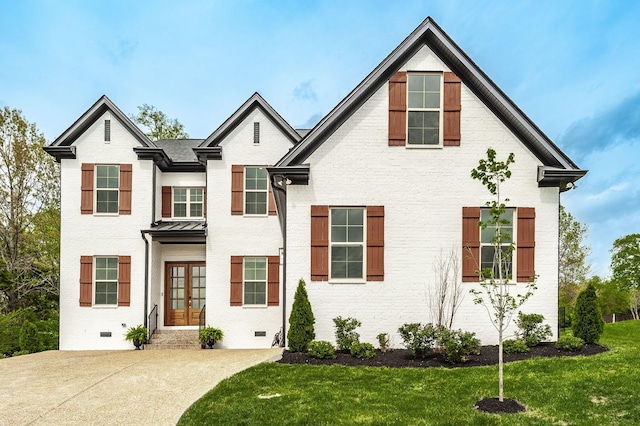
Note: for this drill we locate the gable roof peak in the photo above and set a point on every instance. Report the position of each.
(102, 105)
(254, 101)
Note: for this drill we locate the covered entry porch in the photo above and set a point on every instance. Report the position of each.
(177, 273)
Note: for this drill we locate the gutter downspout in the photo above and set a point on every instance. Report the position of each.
(146, 279)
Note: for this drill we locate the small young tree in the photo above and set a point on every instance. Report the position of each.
(495, 280)
(587, 318)
(301, 320)
(446, 295)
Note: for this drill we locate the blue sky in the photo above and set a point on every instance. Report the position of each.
(572, 66)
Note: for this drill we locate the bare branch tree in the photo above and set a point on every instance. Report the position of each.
(446, 295)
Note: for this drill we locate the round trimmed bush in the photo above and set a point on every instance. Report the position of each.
(363, 350)
(322, 349)
(515, 346)
(570, 343)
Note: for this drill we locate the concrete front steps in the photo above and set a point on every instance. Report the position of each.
(174, 339)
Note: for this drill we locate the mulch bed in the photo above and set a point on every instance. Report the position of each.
(398, 358)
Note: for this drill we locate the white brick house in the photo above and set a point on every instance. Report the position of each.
(170, 227)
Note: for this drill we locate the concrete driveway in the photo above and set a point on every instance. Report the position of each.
(114, 387)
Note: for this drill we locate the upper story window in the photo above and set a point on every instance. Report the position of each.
(107, 188)
(106, 281)
(256, 190)
(188, 202)
(491, 237)
(347, 243)
(424, 104)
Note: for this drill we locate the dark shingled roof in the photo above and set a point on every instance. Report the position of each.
(179, 150)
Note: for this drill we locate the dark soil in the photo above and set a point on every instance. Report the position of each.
(493, 405)
(399, 358)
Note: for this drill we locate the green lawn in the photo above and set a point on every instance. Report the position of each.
(596, 390)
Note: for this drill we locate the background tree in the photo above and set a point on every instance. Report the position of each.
(29, 193)
(496, 291)
(157, 124)
(625, 267)
(301, 329)
(611, 298)
(572, 260)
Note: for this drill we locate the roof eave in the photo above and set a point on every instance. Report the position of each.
(206, 153)
(60, 152)
(164, 163)
(561, 178)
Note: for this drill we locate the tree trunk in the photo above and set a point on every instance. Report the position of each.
(500, 365)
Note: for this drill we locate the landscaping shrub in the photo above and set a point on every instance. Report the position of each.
(457, 345)
(417, 338)
(570, 343)
(531, 330)
(30, 339)
(363, 350)
(301, 321)
(322, 349)
(515, 346)
(383, 341)
(345, 332)
(10, 325)
(587, 318)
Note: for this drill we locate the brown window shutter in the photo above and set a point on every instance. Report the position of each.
(470, 244)
(236, 280)
(452, 107)
(398, 109)
(166, 201)
(273, 282)
(125, 189)
(272, 202)
(375, 243)
(86, 200)
(86, 280)
(237, 189)
(319, 243)
(526, 244)
(204, 201)
(124, 280)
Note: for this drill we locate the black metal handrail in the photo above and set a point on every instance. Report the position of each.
(202, 317)
(153, 321)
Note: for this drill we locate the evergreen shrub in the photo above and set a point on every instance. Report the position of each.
(569, 343)
(417, 338)
(587, 318)
(531, 330)
(30, 339)
(515, 346)
(301, 320)
(457, 345)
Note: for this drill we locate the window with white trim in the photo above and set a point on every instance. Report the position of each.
(256, 190)
(424, 109)
(255, 281)
(188, 202)
(346, 243)
(107, 188)
(489, 237)
(106, 281)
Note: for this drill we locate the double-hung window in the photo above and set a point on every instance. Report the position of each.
(106, 281)
(188, 202)
(347, 243)
(256, 190)
(255, 281)
(107, 188)
(424, 115)
(495, 235)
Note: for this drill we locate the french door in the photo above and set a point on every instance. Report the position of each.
(185, 290)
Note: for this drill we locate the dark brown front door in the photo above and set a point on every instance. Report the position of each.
(184, 292)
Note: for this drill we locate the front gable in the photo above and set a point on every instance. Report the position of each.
(429, 49)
